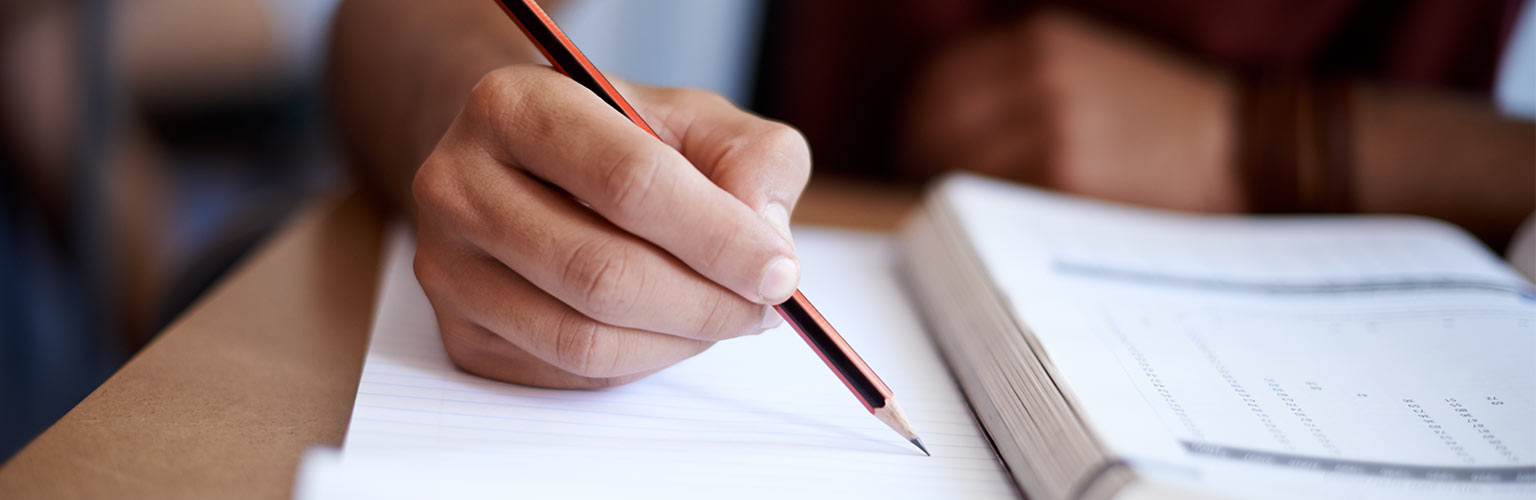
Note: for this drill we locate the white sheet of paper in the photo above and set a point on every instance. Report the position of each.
(757, 417)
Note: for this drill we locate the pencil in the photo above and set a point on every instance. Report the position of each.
(797, 311)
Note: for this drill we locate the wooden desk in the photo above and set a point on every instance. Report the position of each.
(224, 401)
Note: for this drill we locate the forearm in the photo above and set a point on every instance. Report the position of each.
(400, 72)
(1445, 156)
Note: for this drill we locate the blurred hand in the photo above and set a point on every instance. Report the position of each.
(1060, 101)
(562, 246)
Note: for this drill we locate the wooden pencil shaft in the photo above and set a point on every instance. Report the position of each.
(896, 419)
(801, 315)
(834, 351)
(566, 58)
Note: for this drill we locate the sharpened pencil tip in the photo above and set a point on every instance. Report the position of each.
(920, 446)
(892, 416)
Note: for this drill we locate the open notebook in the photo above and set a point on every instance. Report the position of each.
(1112, 350)
(1103, 350)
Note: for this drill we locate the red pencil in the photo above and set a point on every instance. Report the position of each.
(797, 311)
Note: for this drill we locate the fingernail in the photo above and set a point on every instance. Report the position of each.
(778, 216)
(779, 280)
(771, 319)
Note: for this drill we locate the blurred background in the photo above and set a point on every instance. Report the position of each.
(147, 145)
(144, 147)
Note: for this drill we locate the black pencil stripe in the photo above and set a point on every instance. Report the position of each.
(839, 359)
(563, 59)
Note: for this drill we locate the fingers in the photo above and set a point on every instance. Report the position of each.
(481, 352)
(561, 247)
(561, 133)
(479, 290)
(763, 163)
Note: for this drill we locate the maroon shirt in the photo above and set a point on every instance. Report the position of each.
(838, 69)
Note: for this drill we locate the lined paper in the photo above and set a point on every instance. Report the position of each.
(756, 417)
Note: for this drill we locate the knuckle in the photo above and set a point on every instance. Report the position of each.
(499, 86)
(598, 274)
(431, 187)
(496, 88)
(442, 197)
(464, 352)
(471, 348)
(783, 137)
(631, 178)
(787, 142)
(466, 348)
(725, 245)
(429, 272)
(583, 350)
(721, 320)
(500, 97)
(773, 145)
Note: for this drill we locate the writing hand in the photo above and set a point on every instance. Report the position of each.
(562, 246)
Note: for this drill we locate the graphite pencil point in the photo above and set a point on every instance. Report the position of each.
(919, 443)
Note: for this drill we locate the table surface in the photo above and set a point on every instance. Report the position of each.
(224, 401)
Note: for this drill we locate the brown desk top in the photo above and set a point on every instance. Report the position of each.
(224, 401)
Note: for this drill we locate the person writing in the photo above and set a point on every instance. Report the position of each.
(560, 245)
(563, 247)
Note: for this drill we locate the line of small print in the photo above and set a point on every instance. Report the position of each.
(1505, 474)
(1092, 271)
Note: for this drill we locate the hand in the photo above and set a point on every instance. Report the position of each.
(562, 246)
(1063, 102)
